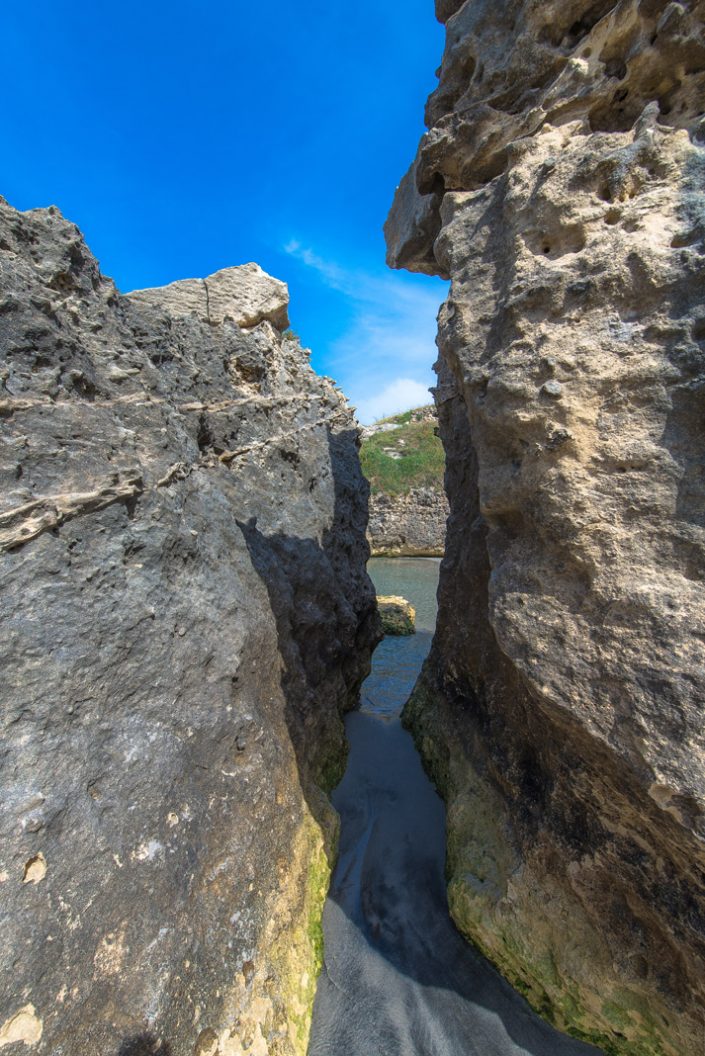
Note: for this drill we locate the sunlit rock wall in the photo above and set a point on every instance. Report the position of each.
(561, 188)
(185, 616)
(412, 525)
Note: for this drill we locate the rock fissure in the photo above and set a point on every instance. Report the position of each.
(208, 301)
(24, 523)
(179, 657)
(51, 511)
(10, 407)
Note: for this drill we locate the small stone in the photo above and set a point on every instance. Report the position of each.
(552, 388)
(397, 614)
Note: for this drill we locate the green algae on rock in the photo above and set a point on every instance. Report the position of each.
(512, 907)
(397, 615)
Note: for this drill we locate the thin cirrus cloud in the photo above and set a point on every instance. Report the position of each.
(383, 359)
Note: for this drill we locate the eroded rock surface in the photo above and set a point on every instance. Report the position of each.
(561, 187)
(185, 616)
(246, 295)
(412, 525)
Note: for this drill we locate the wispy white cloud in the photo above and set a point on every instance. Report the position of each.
(383, 360)
(400, 395)
(333, 275)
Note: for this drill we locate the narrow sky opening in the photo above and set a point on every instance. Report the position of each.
(182, 140)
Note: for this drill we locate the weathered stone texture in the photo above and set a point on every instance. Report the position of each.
(562, 707)
(185, 616)
(412, 525)
(246, 295)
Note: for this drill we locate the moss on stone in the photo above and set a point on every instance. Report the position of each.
(298, 954)
(397, 615)
(331, 769)
(492, 899)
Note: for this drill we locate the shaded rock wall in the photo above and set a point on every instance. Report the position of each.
(185, 617)
(561, 187)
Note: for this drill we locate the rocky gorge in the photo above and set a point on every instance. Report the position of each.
(186, 617)
(561, 188)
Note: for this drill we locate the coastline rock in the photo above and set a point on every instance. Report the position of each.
(397, 615)
(412, 525)
(408, 505)
(561, 709)
(186, 616)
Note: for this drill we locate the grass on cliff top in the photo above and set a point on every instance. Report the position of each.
(421, 461)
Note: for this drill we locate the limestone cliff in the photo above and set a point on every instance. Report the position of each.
(186, 615)
(403, 460)
(561, 188)
(411, 525)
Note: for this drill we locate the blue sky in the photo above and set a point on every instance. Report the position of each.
(186, 137)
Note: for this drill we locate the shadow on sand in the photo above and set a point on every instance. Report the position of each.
(399, 979)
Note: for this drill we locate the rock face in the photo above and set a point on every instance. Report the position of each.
(186, 615)
(560, 187)
(246, 295)
(411, 525)
(408, 506)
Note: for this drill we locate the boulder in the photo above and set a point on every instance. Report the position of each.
(397, 615)
(245, 294)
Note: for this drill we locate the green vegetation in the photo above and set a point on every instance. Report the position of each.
(410, 456)
(404, 418)
(297, 953)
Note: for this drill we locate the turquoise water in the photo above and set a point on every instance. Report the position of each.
(398, 978)
(397, 661)
(414, 578)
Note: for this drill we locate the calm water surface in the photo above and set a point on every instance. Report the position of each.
(398, 978)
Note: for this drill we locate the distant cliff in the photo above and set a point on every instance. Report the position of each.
(186, 616)
(402, 458)
(560, 186)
